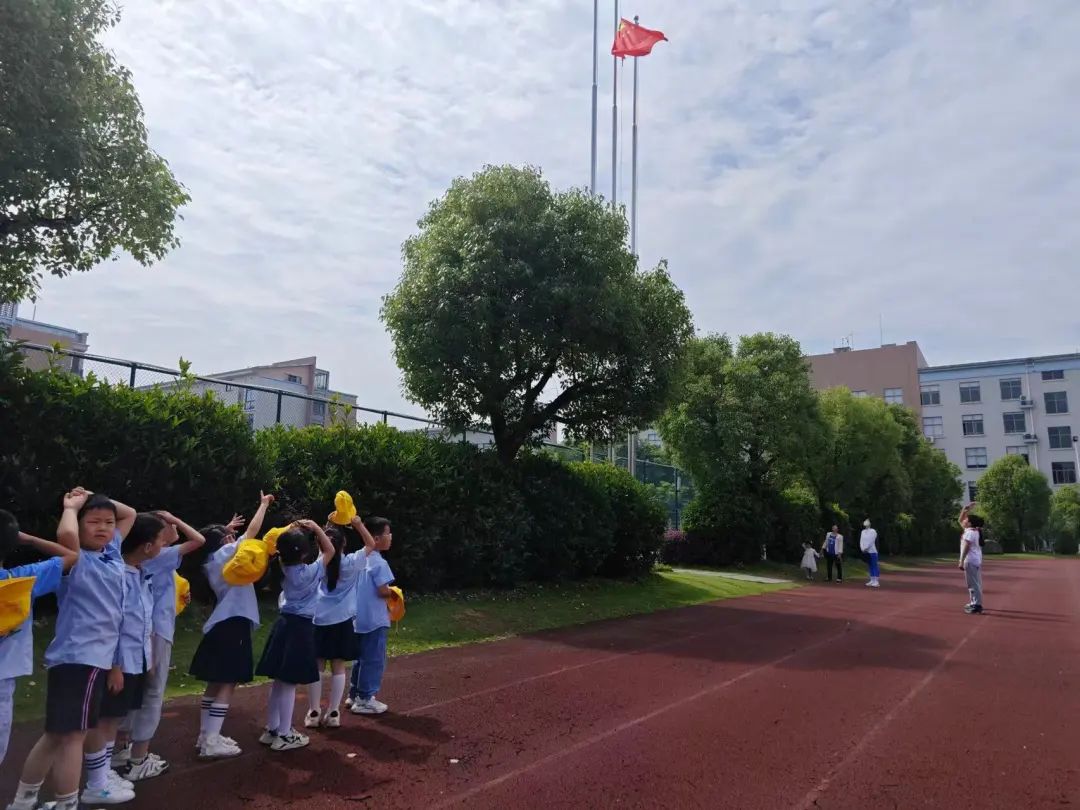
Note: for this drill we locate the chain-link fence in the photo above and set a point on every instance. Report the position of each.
(295, 402)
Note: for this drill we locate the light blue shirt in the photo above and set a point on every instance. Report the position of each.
(232, 600)
(91, 601)
(133, 653)
(371, 610)
(17, 647)
(300, 588)
(339, 605)
(161, 572)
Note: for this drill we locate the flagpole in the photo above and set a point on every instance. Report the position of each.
(633, 165)
(595, 66)
(615, 118)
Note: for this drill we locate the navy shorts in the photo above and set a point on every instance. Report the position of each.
(73, 697)
(126, 700)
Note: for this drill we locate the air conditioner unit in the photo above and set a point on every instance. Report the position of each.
(1030, 438)
(931, 439)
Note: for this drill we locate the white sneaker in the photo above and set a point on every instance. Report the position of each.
(267, 737)
(117, 781)
(121, 757)
(369, 706)
(107, 795)
(332, 719)
(873, 584)
(348, 703)
(287, 742)
(312, 719)
(217, 747)
(150, 767)
(23, 804)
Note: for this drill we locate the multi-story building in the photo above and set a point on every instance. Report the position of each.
(890, 372)
(44, 334)
(979, 412)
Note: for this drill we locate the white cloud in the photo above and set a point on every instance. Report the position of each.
(804, 166)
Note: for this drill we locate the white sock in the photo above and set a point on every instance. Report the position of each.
(204, 714)
(27, 792)
(337, 691)
(110, 747)
(216, 719)
(97, 769)
(286, 703)
(314, 695)
(272, 708)
(68, 802)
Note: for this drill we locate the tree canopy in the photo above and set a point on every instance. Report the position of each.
(1015, 499)
(520, 306)
(1065, 519)
(78, 181)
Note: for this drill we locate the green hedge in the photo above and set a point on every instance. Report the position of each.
(460, 518)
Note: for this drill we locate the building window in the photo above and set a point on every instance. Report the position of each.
(973, 424)
(1018, 450)
(1053, 375)
(973, 491)
(894, 396)
(293, 378)
(1063, 472)
(1011, 389)
(1015, 422)
(975, 458)
(322, 380)
(1060, 437)
(970, 392)
(859, 394)
(1056, 402)
(930, 394)
(933, 427)
(318, 408)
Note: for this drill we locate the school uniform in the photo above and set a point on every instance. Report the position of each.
(91, 600)
(133, 653)
(224, 655)
(335, 612)
(17, 647)
(372, 625)
(289, 655)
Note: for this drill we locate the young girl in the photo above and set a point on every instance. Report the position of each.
(134, 761)
(224, 658)
(335, 639)
(809, 560)
(133, 659)
(82, 650)
(17, 646)
(289, 654)
(971, 557)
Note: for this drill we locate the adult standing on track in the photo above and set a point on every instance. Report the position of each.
(833, 549)
(971, 557)
(868, 545)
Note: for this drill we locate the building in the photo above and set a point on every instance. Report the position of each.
(44, 334)
(978, 412)
(890, 372)
(300, 394)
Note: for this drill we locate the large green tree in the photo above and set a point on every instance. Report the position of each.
(78, 182)
(1065, 519)
(520, 306)
(1015, 499)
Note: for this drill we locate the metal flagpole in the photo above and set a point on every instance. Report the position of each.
(615, 118)
(595, 65)
(633, 169)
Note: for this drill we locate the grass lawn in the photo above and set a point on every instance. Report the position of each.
(447, 620)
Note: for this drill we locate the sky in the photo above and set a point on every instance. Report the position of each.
(865, 168)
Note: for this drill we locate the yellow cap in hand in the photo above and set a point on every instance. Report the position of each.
(183, 590)
(396, 604)
(344, 509)
(15, 600)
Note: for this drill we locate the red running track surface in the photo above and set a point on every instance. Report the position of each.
(820, 697)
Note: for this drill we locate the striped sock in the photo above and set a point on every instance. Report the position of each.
(204, 714)
(68, 802)
(109, 748)
(216, 719)
(97, 770)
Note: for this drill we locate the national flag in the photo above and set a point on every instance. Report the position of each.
(633, 40)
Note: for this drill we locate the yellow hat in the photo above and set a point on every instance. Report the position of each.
(15, 599)
(396, 604)
(344, 509)
(248, 564)
(183, 589)
(271, 538)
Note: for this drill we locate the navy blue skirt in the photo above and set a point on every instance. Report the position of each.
(337, 642)
(289, 654)
(224, 654)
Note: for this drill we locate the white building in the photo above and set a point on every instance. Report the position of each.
(979, 412)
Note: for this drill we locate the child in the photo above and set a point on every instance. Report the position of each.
(289, 654)
(809, 560)
(335, 612)
(224, 658)
(135, 761)
(17, 646)
(82, 651)
(372, 622)
(134, 656)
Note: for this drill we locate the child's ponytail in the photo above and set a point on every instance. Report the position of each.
(193, 569)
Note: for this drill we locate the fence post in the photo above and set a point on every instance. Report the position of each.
(385, 418)
(278, 417)
(131, 381)
(678, 525)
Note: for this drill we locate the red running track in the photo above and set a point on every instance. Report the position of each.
(819, 697)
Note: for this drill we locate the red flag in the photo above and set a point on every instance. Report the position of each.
(633, 40)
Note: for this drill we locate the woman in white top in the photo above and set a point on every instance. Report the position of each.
(868, 546)
(971, 558)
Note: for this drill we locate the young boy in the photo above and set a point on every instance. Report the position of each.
(134, 761)
(17, 646)
(83, 649)
(372, 622)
